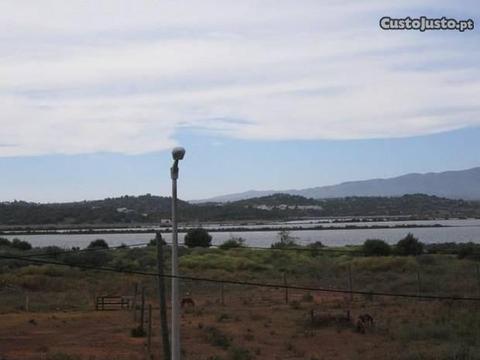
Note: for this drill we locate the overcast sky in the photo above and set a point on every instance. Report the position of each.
(263, 94)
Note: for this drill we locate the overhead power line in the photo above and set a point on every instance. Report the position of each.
(248, 283)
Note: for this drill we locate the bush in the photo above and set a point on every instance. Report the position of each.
(63, 356)
(87, 258)
(316, 245)
(216, 338)
(239, 353)
(409, 245)
(469, 251)
(198, 238)
(153, 242)
(5, 242)
(21, 244)
(233, 242)
(286, 240)
(99, 243)
(376, 247)
(137, 332)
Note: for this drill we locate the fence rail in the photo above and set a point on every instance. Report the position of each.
(106, 303)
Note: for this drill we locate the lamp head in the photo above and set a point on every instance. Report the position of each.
(178, 153)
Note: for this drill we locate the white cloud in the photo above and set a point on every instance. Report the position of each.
(124, 76)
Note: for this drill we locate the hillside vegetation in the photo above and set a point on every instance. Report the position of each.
(152, 209)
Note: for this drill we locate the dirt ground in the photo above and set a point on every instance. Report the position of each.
(250, 325)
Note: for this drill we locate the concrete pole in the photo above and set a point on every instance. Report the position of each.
(175, 285)
(162, 299)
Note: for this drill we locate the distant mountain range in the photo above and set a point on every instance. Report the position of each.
(462, 184)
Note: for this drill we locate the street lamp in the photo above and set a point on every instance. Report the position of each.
(177, 153)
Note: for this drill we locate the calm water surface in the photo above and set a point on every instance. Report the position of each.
(458, 231)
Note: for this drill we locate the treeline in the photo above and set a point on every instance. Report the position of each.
(152, 209)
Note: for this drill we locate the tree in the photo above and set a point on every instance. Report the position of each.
(409, 245)
(198, 238)
(99, 243)
(5, 242)
(376, 247)
(21, 245)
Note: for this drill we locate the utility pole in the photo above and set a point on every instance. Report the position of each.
(177, 153)
(162, 298)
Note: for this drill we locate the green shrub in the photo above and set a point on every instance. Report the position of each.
(376, 247)
(153, 242)
(98, 244)
(285, 240)
(409, 245)
(87, 258)
(216, 338)
(198, 237)
(233, 242)
(5, 242)
(468, 251)
(62, 356)
(239, 353)
(21, 245)
(138, 332)
(307, 297)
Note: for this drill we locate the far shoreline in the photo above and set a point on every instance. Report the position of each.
(213, 230)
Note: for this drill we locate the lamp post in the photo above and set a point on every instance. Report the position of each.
(177, 153)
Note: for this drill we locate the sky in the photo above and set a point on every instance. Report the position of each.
(262, 94)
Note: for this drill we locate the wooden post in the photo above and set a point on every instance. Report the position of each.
(142, 310)
(149, 341)
(135, 291)
(419, 291)
(222, 295)
(27, 303)
(477, 268)
(350, 281)
(162, 299)
(286, 289)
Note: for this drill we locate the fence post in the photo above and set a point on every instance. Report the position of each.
(135, 291)
(477, 270)
(350, 281)
(142, 310)
(161, 298)
(27, 303)
(286, 288)
(149, 342)
(419, 284)
(222, 295)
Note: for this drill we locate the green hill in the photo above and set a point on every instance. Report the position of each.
(152, 209)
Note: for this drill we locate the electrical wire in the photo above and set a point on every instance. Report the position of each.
(249, 283)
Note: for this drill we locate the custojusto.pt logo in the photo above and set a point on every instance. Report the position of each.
(424, 23)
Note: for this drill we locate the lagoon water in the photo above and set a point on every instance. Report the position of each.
(453, 231)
